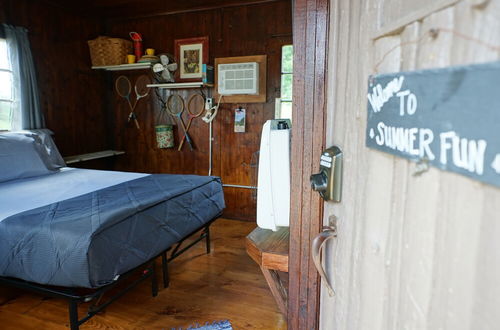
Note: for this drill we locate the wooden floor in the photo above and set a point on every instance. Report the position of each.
(226, 284)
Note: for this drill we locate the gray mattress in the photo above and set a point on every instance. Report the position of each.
(90, 240)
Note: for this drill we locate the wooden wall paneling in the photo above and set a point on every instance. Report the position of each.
(402, 13)
(458, 266)
(343, 67)
(120, 10)
(4, 11)
(407, 58)
(310, 67)
(412, 251)
(72, 96)
(260, 38)
(235, 31)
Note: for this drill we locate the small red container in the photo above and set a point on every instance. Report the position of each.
(137, 39)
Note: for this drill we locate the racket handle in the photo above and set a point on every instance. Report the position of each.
(190, 143)
(182, 143)
(184, 137)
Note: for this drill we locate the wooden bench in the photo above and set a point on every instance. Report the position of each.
(269, 250)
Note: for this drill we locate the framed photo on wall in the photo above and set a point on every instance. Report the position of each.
(191, 54)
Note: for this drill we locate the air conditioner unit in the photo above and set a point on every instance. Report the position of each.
(238, 78)
(273, 188)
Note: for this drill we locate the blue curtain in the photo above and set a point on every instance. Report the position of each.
(25, 82)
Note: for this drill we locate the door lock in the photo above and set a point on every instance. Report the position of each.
(328, 182)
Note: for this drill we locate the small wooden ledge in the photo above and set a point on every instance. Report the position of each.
(92, 156)
(269, 249)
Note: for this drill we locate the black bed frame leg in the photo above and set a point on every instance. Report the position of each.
(154, 281)
(164, 269)
(207, 237)
(73, 314)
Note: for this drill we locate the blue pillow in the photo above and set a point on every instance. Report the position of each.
(52, 158)
(20, 156)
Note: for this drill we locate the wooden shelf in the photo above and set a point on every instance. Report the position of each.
(92, 155)
(196, 84)
(123, 67)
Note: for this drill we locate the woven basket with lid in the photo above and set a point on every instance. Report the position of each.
(109, 51)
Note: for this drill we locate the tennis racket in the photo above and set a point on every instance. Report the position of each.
(195, 107)
(141, 90)
(123, 88)
(175, 106)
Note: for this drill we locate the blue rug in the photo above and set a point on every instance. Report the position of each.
(221, 325)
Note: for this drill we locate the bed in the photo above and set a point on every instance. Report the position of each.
(78, 228)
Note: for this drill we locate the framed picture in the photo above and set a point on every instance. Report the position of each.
(191, 54)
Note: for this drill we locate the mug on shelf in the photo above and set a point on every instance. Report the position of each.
(130, 59)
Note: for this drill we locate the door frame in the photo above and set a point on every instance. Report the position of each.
(310, 40)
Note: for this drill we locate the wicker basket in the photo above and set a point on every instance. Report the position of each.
(109, 51)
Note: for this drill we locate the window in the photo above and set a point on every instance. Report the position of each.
(284, 103)
(6, 88)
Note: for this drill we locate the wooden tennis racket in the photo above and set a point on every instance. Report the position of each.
(141, 90)
(175, 106)
(124, 88)
(195, 108)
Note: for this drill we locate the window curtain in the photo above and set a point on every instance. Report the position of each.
(25, 83)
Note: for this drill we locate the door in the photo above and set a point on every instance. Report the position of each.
(412, 251)
(310, 44)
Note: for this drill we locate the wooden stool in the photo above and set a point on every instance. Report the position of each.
(269, 249)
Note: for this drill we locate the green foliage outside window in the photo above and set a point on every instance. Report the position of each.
(6, 95)
(286, 82)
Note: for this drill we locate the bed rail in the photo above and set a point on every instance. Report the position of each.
(148, 271)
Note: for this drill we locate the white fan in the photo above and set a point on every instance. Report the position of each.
(165, 70)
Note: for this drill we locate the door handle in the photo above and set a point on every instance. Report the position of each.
(317, 248)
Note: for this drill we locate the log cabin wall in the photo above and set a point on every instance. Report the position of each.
(258, 29)
(72, 95)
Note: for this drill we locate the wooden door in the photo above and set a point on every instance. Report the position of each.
(310, 42)
(413, 251)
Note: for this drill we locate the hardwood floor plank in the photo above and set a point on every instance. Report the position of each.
(225, 284)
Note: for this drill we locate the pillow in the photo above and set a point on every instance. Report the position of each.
(52, 157)
(20, 156)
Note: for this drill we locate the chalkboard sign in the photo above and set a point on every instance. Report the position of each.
(447, 117)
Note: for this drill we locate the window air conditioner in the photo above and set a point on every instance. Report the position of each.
(238, 78)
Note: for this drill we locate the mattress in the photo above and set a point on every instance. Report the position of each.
(106, 229)
(21, 195)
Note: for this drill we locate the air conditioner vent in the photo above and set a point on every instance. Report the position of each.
(238, 78)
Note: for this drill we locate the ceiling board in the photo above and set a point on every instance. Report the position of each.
(123, 9)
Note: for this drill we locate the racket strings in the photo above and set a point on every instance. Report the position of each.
(175, 104)
(123, 86)
(141, 86)
(196, 105)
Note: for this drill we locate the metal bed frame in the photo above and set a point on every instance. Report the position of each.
(149, 271)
